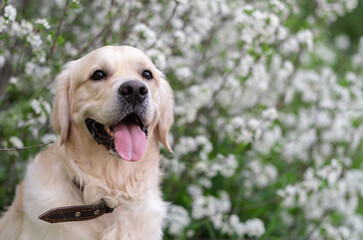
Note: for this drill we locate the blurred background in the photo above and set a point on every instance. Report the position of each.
(268, 114)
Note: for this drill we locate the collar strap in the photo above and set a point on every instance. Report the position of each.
(75, 213)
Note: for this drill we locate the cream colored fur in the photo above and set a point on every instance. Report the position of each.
(131, 187)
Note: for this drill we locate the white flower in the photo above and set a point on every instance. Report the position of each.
(258, 175)
(36, 106)
(2, 61)
(49, 138)
(29, 67)
(13, 80)
(146, 33)
(190, 233)
(72, 51)
(342, 42)
(2, 24)
(26, 27)
(180, 36)
(217, 220)
(270, 114)
(44, 22)
(291, 45)
(34, 40)
(16, 142)
(280, 6)
(10, 13)
(158, 57)
(306, 37)
(173, 166)
(230, 165)
(245, 65)
(183, 73)
(325, 53)
(184, 2)
(205, 182)
(237, 226)
(195, 191)
(16, 30)
(208, 206)
(254, 124)
(254, 227)
(40, 55)
(177, 219)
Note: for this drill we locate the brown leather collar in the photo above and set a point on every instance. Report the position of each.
(75, 213)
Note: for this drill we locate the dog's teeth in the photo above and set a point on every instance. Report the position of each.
(109, 131)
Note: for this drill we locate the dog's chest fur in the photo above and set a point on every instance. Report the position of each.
(44, 189)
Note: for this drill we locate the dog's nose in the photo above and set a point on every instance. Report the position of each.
(133, 91)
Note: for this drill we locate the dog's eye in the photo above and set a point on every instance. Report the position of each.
(147, 74)
(98, 75)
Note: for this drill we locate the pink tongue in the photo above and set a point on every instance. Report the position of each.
(130, 141)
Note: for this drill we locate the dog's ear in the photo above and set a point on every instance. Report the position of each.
(166, 111)
(61, 114)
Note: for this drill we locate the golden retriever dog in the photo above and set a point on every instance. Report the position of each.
(100, 179)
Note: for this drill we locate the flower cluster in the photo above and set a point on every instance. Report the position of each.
(323, 196)
(217, 208)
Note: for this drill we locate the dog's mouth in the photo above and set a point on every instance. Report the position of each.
(126, 139)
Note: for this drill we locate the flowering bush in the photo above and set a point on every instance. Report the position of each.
(269, 117)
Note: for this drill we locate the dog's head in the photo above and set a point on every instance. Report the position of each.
(119, 96)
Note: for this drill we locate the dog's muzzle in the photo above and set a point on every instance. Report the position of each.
(126, 138)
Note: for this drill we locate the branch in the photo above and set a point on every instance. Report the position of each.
(59, 29)
(126, 24)
(24, 148)
(166, 26)
(104, 30)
